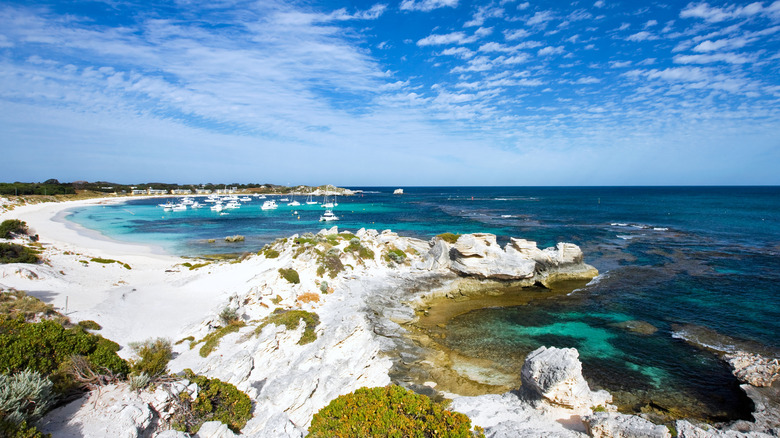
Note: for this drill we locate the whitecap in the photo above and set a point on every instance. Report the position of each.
(506, 216)
(660, 229)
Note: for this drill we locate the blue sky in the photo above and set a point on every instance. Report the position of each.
(398, 93)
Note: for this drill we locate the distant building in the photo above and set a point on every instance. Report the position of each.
(152, 191)
(181, 191)
(139, 192)
(203, 191)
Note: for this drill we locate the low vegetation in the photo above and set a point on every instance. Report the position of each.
(211, 341)
(109, 261)
(395, 255)
(291, 319)
(88, 324)
(13, 253)
(11, 227)
(309, 297)
(24, 398)
(290, 275)
(357, 247)
(391, 411)
(192, 267)
(269, 253)
(216, 401)
(153, 357)
(330, 262)
(17, 304)
(449, 237)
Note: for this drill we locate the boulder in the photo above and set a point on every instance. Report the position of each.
(214, 429)
(615, 425)
(480, 255)
(554, 375)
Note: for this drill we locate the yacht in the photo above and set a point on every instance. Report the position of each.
(168, 204)
(179, 207)
(269, 205)
(196, 204)
(245, 199)
(328, 216)
(233, 204)
(217, 207)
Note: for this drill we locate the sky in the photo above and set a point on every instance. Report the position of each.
(391, 93)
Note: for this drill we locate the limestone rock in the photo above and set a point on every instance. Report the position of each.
(555, 375)
(480, 255)
(687, 430)
(615, 425)
(114, 410)
(214, 429)
(172, 434)
(753, 368)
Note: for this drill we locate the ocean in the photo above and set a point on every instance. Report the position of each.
(680, 266)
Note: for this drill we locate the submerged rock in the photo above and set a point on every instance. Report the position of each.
(555, 375)
(639, 327)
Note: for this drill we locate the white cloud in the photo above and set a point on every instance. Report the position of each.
(619, 64)
(523, 6)
(540, 17)
(448, 38)
(599, 4)
(483, 13)
(372, 14)
(588, 80)
(494, 47)
(427, 5)
(458, 51)
(730, 58)
(726, 43)
(624, 26)
(714, 14)
(483, 32)
(550, 50)
(650, 23)
(515, 34)
(641, 36)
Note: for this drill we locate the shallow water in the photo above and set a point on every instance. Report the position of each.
(668, 257)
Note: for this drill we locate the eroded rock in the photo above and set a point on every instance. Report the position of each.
(616, 425)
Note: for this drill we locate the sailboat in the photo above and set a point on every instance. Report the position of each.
(293, 203)
(310, 200)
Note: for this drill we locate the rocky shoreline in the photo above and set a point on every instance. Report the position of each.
(366, 288)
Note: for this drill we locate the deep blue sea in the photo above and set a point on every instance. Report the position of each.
(686, 260)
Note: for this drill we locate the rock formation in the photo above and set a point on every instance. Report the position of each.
(555, 376)
(479, 255)
(615, 425)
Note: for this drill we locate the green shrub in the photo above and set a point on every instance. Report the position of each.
(216, 401)
(290, 319)
(329, 262)
(153, 357)
(395, 255)
(228, 316)
(362, 251)
(15, 303)
(12, 226)
(22, 430)
(139, 381)
(24, 396)
(290, 275)
(269, 252)
(211, 341)
(449, 237)
(391, 411)
(45, 346)
(13, 253)
(90, 325)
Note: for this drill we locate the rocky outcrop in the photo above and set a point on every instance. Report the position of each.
(753, 368)
(479, 255)
(555, 376)
(615, 425)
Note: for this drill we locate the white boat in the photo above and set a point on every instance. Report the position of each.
(212, 199)
(187, 201)
(233, 204)
(217, 207)
(293, 203)
(310, 201)
(328, 216)
(245, 199)
(261, 196)
(285, 199)
(179, 207)
(269, 205)
(168, 204)
(196, 204)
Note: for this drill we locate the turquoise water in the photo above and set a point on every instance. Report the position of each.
(669, 257)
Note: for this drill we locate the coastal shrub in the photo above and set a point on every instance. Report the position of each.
(269, 253)
(291, 319)
(47, 346)
(12, 226)
(110, 261)
(362, 251)
(88, 324)
(13, 253)
(15, 304)
(276, 300)
(24, 396)
(211, 341)
(449, 237)
(139, 381)
(228, 315)
(290, 275)
(216, 401)
(153, 357)
(324, 287)
(395, 255)
(183, 340)
(329, 262)
(21, 430)
(390, 411)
